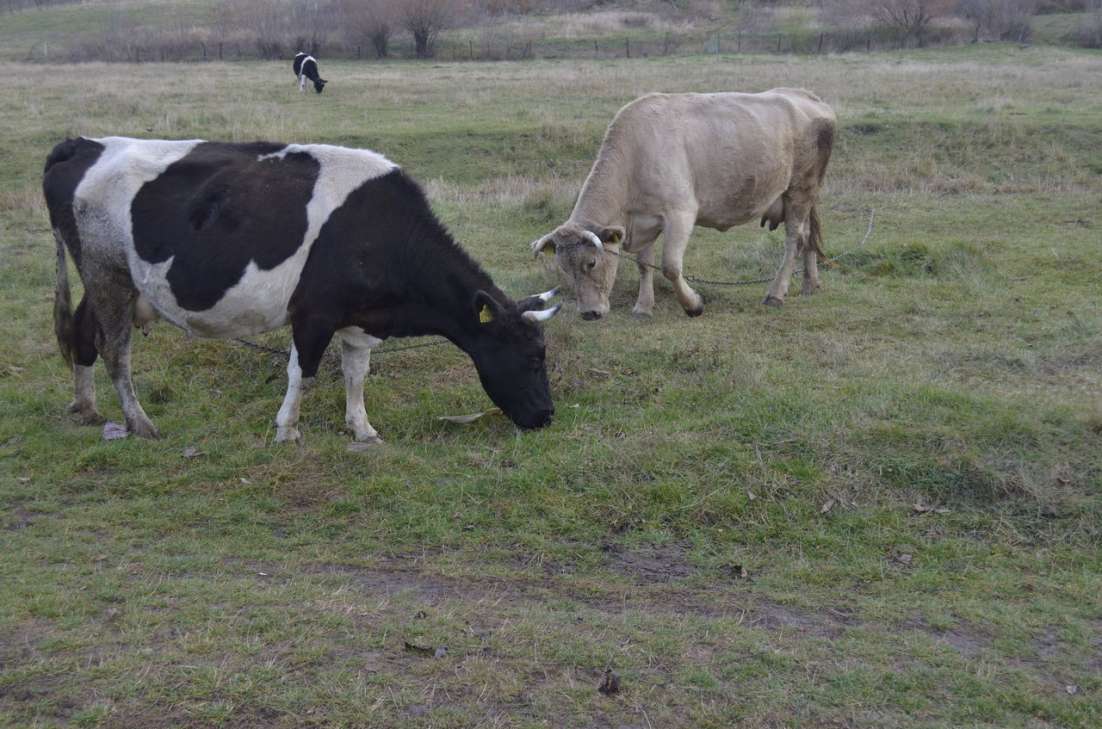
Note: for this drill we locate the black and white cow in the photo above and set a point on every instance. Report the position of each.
(305, 67)
(229, 240)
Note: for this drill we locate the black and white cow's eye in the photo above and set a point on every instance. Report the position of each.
(591, 265)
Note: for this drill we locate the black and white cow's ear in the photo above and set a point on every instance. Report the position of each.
(486, 308)
(546, 243)
(613, 234)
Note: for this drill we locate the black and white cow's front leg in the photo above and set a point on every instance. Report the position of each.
(310, 338)
(287, 417)
(356, 348)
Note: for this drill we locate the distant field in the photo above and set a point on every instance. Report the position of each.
(29, 33)
(878, 507)
(1055, 28)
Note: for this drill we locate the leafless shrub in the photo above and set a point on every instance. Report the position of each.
(1089, 32)
(910, 19)
(998, 19)
(424, 19)
(372, 22)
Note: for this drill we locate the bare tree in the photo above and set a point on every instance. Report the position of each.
(910, 18)
(373, 21)
(309, 19)
(424, 19)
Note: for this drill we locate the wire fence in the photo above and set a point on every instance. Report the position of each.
(469, 46)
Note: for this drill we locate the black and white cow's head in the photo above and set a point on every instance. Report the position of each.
(508, 352)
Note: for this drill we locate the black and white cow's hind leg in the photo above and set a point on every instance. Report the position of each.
(356, 348)
(112, 299)
(302, 83)
(84, 359)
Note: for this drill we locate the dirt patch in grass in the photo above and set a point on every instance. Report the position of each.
(18, 518)
(649, 565)
(775, 617)
(18, 642)
(968, 640)
(654, 598)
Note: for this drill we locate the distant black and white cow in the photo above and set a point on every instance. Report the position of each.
(229, 240)
(305, 67)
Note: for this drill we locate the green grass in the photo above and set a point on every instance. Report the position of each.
(951, 364)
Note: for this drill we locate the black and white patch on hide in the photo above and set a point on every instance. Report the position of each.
(215, 236)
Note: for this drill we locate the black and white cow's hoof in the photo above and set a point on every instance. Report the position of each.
(363, 445)
(641, 314)
(773, 301)
(86, 414)
(288, 435)
(809, 290)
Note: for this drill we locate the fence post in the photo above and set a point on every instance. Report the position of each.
(627, 47)
(718, 51)
(219, 50)
(738, 42)
(820, 49)
(778, 42)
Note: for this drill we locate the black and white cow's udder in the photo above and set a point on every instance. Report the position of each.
(220, 234)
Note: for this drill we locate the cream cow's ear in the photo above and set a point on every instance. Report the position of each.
(544, 244)
(613, 234)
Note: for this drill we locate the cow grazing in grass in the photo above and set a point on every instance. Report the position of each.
(305, 67)
(672, 161)
(229, 240)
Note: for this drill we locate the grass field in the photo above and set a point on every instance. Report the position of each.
(879, 507)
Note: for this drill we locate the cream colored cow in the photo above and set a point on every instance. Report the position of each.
(672, 161)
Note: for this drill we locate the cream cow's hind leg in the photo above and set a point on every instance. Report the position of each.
(797, 208)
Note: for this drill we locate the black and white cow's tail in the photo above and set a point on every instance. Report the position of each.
(64, 324)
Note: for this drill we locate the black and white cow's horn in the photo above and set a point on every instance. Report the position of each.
(538, 317)
(595, 240)
(547, 295)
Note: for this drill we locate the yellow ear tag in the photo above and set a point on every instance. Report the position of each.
(616, 236)
(485, 316)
